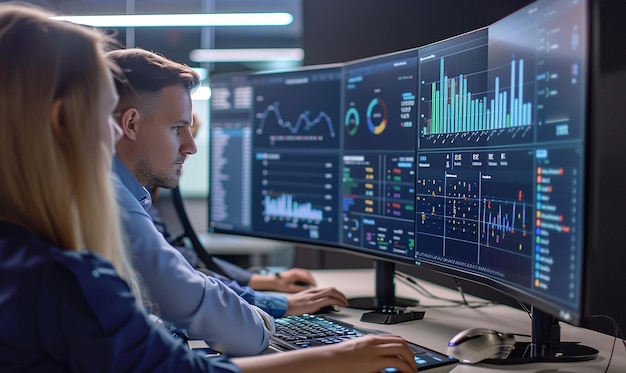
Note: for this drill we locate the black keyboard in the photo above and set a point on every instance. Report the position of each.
(297, 332)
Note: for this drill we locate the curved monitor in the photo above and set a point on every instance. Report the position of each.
(467, 156)
(378, 161)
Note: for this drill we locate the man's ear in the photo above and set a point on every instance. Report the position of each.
(128, 122)
(56, 121)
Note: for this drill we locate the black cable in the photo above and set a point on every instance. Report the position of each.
(188, 231)
(617, 333)
(460, 289)
(408, 280)
(524, 307)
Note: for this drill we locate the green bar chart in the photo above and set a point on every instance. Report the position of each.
(455, 108)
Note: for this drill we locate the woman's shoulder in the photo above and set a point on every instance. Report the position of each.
(23, 249)
(25, 256)
(45, 271)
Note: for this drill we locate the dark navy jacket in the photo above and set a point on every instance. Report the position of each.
(63, 311)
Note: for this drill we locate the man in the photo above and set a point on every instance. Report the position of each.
(154, 113)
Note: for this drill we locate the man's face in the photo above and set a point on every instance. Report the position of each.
(164, 139)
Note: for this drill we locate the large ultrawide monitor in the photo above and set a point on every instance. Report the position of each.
(468, 156)
(323, 155)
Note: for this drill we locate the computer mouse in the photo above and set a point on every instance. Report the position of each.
(325, 309)
(301, 283)
(477, 344)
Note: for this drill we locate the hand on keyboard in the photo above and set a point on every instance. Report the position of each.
(373, 353)
(310, 331)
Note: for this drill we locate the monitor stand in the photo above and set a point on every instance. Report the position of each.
(385, 307)
(546, 345)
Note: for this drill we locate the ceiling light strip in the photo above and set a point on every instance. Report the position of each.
(244, 55)
(182, 20)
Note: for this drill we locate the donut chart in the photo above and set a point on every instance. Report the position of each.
(377, 116)
(352, 121)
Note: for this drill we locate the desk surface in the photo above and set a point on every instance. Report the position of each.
(217, 243)
(441, 324)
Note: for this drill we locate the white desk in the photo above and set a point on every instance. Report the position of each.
(441, 324)
(255, 248)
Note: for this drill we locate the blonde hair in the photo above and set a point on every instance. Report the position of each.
(58, 189)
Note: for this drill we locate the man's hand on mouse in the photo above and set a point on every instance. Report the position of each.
(311, 300)
(289, 281)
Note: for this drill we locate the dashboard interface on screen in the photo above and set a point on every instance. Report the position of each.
(378, 154)
(467, 154)
(500, 156)
(276, 140)
(229, 154)
(295, 146)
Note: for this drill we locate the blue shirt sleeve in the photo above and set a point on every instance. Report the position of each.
(274, 304)
(183, 296)
(241, 275)
(233, 271)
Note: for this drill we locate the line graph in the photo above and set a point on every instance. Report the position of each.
(501, 220)
(303, 121)
(297, 108)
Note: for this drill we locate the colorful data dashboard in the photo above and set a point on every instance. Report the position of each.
(468, 153)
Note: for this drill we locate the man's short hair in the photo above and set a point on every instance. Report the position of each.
(143, 71)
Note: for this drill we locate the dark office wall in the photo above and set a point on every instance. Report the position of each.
(340, 31)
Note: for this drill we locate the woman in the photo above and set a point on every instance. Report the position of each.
(69, 300)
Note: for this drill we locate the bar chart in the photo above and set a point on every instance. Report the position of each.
(455, 108)
(285, 207)
(472, 95)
